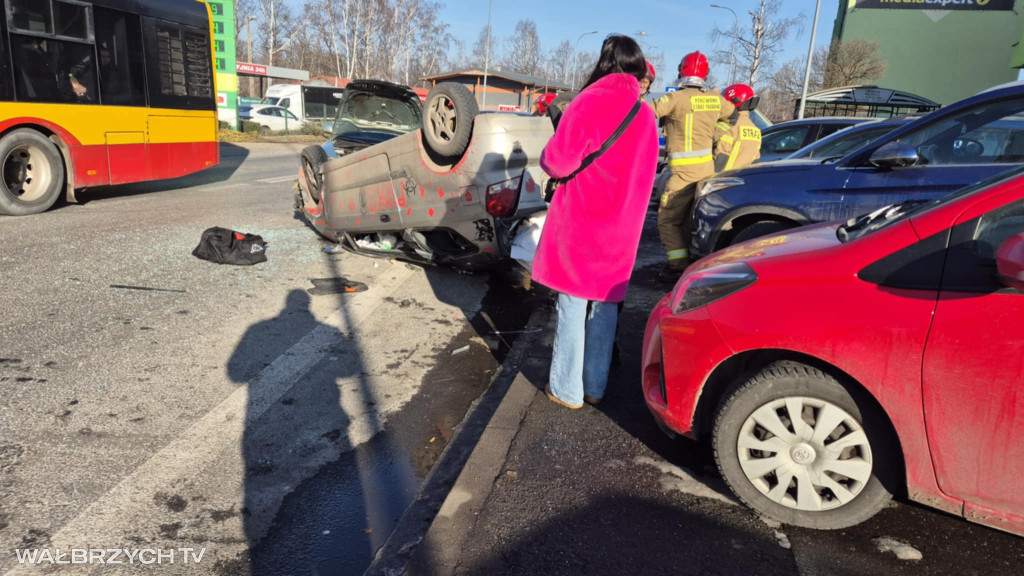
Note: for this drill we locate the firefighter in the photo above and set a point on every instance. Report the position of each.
(647, 82)
(690, 117)
(739, 139)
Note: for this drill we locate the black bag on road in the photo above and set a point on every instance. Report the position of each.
(223, 246)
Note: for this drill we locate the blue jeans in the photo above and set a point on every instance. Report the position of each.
(582, 356)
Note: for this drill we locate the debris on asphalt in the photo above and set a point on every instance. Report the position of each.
(771, 522)
(901, 550)
(678, 479)
(783, 540)
(323, 286)
(333, 249)
(224, 246)
(531, 331)
(146, 288)
(326, 532)
(460, 350)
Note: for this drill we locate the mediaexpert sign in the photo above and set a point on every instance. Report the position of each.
(978, 5)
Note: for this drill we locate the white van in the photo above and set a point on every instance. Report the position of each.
(305, 101)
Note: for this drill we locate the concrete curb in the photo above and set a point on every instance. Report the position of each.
(438, 520)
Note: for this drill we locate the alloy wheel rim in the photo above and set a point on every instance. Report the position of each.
(27, 172)
(805, 453)
(442, 118)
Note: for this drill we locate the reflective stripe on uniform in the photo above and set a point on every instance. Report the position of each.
(727, 139)
(690, 161)
(693, 154)
(678, 254)
(688, 137)
(735, 154)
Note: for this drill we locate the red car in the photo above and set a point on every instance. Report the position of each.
(838, 365)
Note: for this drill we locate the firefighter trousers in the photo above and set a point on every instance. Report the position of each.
(674, 215)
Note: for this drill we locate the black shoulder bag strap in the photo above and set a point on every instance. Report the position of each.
(554, 183)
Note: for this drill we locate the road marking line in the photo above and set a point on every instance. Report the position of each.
(276, 180)
(102, 523)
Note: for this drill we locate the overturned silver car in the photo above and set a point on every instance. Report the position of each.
(451, 191)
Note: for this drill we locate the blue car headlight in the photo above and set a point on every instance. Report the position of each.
(717, 185)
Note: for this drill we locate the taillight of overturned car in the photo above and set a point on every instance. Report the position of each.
(503, 197)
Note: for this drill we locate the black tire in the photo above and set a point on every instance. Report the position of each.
(878, 464)
(759, 229)
(31, 173)
(313, 157)
(448, 115)
(264, 131)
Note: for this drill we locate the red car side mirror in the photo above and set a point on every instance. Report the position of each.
(1010, 261)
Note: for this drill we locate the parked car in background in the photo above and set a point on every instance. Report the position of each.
(781, 140)
(928, 158)
(273, 119)
(840, 364)
(448, 186)
(848, 139)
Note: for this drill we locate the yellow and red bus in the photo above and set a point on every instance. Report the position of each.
(101, 92)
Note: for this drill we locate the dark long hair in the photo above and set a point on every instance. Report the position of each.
(619, 54)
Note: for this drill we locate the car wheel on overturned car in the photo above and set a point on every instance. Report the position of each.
(795, 445)
(313, 157)
(448, 115)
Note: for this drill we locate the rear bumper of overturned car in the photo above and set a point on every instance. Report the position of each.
(473, 245)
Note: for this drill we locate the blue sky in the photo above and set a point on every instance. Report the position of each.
(674, 27)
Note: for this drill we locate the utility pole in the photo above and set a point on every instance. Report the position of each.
(810, 57)
(487, 55)
(732, 46)
(248, 39)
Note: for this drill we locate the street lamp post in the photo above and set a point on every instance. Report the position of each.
(487, 55)
(732, 47)
(810, 56)
(576, 56)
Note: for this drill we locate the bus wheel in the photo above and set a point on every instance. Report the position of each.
(31, 173)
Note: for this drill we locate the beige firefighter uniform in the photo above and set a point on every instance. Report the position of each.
(738, 145)
(691, 116)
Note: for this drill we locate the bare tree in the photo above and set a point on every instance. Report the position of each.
(276, 27)
(856, 61)
(758, 46)
(522, 50)
(479, 53)
(560, 60)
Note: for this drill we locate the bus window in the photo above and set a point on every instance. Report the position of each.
(122, 69)
(71, 20)
(53, 70)
(6, 84)
(31, 16)
(180, 66)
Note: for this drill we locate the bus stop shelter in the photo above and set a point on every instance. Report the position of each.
(870, 101)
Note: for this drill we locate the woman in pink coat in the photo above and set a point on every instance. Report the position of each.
(592, 231)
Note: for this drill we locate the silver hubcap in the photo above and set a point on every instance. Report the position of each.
(805, 453)
(27, 172)
(442, 118)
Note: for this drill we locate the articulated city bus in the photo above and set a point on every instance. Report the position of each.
(102, 92)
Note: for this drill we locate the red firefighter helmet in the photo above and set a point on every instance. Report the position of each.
(694, 65)
(543, 101)
(650, 72)
(738, 94)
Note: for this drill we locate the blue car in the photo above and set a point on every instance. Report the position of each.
(928, 158)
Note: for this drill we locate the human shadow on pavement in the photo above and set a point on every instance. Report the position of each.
(308, 396)
(619, 534)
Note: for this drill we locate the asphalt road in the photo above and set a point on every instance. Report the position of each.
(151, 400)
